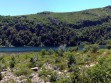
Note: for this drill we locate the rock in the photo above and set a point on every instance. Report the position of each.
(4, 69)
(48, 82)
(32, 75)
(35, 69)
(24, 80)
(3, 73)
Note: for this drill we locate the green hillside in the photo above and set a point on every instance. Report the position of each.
(54, 29)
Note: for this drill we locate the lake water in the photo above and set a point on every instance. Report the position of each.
(25, 49)
(32, 49)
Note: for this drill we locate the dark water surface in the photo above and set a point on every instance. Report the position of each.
(33, 49)
(25, 49)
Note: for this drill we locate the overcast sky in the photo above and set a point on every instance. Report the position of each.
(22, 7)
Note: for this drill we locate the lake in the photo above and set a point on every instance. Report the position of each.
(33, 49)
(25, 49)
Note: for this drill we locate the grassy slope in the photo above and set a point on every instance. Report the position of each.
(72, 17)
(84, 60)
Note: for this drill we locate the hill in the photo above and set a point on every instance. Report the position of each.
(54, 29)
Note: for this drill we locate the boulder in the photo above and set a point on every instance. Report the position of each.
(35, 69)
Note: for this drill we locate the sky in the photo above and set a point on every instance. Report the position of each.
(23, 7)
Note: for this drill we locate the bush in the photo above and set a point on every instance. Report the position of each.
(71, 60)
(95, 48)
(108, 46)
(44, 73)
(87, 48)
(22, 71)
(61, 50)
(73, 49)
(43, 52)
(0, 76)
(92, 48)
(1, 58)
(50, 51)
(64, 80)
(101, 73)
(33, 61)
(54, 77)
(75, 77)
(12, 62)
(74, 68)
(61, 66)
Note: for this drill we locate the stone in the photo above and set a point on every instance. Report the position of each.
(35, 69)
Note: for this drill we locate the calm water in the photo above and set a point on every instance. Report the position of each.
(32, 49)
(25, 49)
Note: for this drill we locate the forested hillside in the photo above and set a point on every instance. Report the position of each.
(54, 29)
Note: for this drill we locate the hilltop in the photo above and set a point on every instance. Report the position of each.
(53, 29)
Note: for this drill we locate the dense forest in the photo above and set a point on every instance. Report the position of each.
(53, 29)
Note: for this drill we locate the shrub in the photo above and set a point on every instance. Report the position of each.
(61, 50)
(53, 77)
(108, 46)
(50, 51)
(92, 48)
(44, 72)
(64, 80)
(43, 52)
(61, 66)
(0, 73)
(33, 61)
(86, 48)
(22, 71)
(0, 76)
(71, 60)
(74, 68)
(73, 49)
(1, 58)
(76, 77)
(12, 62)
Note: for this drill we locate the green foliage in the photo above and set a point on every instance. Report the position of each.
(0, 73)
(44, 73)
(12, 62)
(71, 60)
(53, 77)
(73, 67)
(22, 71)
(91, 48)
(61, 50)
(43, 52)
(61, 65)
(108, 46)
(64, 80)
(33, 62)
(75, 77)
(94, 48)
(50, 51)
(54, 29)
(0, 76)
(101, 72)
(73, 49)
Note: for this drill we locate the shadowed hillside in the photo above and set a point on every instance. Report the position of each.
(53, 29)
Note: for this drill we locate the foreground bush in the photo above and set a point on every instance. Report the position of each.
(91, 48)
(108, 46)
(22, 71)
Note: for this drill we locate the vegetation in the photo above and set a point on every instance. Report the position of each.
(53, 29)
(88, 28)
(71, 67)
